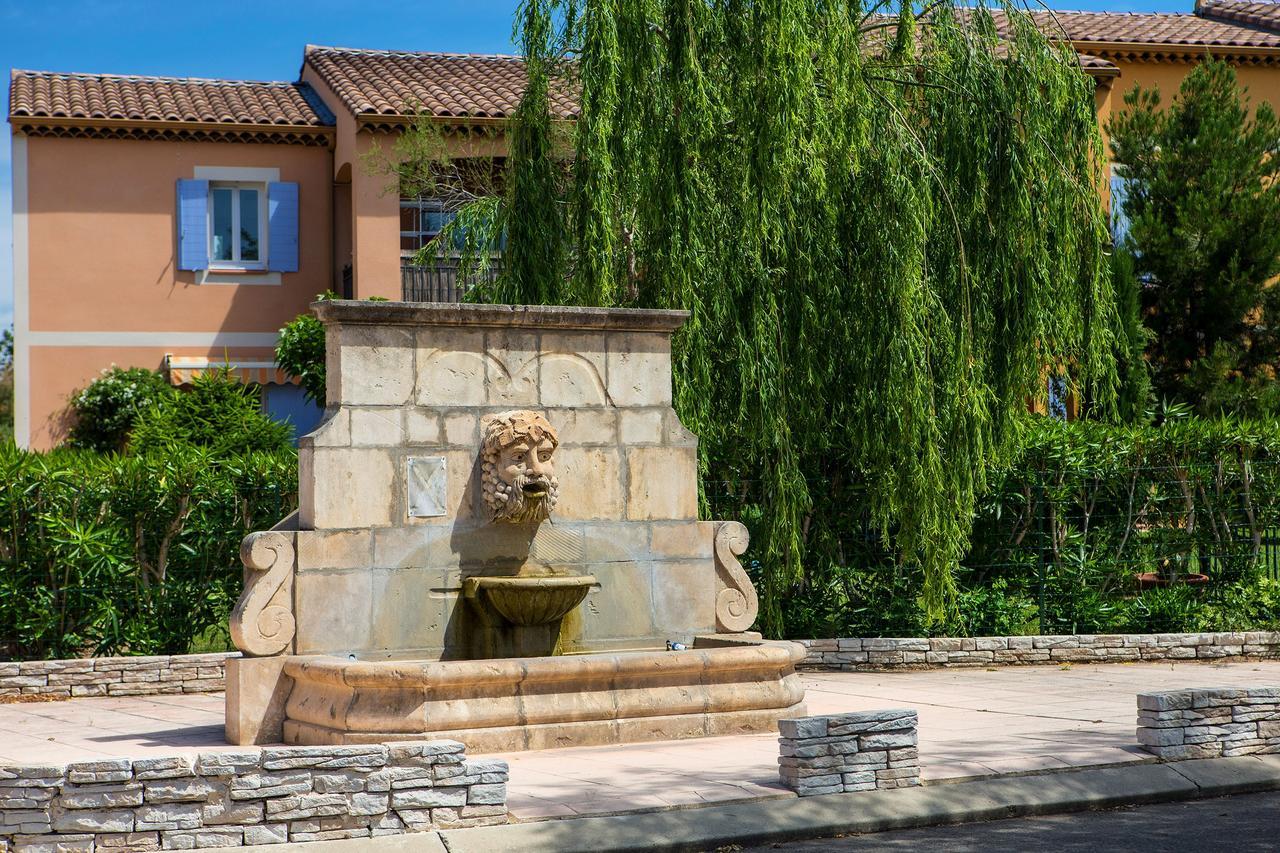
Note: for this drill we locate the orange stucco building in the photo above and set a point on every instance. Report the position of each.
(176, 223)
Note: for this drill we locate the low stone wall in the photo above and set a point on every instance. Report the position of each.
(1211, 722)
(840, 753)
(122, 676)
(859, 655)
(230, 799)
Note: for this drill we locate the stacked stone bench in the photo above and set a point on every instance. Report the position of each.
(1210, 722)
(842, 753)
(230, 799)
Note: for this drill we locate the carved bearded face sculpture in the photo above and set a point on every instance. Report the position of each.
(517, 477)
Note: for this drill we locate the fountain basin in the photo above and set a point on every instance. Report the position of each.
(545, 702)
(530, 601)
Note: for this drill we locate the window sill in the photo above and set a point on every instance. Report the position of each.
(222, 275)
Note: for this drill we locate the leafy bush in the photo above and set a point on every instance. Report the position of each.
(1067, 524)
(1187, 496)
(1244, 607)
(218, 414)
(300, 353)
(109, 554)
(1174, 608)
(106, 409)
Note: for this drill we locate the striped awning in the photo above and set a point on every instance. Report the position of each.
(183, 369)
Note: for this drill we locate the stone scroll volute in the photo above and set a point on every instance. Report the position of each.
(736, 604)
(262, 622)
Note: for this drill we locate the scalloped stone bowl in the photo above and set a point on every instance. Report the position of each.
(530, 601)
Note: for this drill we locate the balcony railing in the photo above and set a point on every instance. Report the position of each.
(440, 282)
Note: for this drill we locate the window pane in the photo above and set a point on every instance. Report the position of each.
(221, 248)
(249, 225)
(408, 218)
(433, 221)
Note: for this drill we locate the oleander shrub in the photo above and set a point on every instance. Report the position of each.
(128, 554)
(105, 410)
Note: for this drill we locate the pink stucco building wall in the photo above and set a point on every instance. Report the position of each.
(101, 281)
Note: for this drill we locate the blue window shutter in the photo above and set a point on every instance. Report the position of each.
(282, 219)
(1119, 192)
(193, 226)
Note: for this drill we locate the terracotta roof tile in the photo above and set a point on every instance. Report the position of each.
(1263, 15)
(1098, 66)
(44, 94)
(1154, 29)
(448, 85)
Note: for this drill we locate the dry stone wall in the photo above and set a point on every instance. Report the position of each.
(119, 676)
(232, 799)
(1210, 723)
(877, 653)
(141, 676)
(842, 753)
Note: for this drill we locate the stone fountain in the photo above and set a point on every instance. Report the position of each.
(497, 541)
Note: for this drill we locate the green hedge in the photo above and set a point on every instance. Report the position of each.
(1066, 527)
(111, 554)
(106, 554)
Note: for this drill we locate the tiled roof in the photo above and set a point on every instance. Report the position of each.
(1098, 66)
(45, 94)
(448, 85)
(1154, 29)
(1263, 15)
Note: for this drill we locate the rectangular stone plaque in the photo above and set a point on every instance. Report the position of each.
(428, 486)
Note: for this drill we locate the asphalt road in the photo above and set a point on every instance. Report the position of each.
(1241, 824)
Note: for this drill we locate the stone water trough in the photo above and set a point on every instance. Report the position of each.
(497, 541)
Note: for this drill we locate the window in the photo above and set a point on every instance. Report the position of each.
(1119, 192)
(233, 220)
(421, 220)
(236, 213)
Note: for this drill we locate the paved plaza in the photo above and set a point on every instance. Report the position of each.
(973, 723)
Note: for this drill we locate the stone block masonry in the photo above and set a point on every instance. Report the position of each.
(1210, 723)
(232, 799)
(120, 676)
(881, 653)
(841, 753)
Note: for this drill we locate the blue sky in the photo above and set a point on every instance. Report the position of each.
(252, 40)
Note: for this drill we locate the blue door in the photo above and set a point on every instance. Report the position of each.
(290, 404)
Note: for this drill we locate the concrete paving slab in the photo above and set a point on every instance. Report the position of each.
(973, 723)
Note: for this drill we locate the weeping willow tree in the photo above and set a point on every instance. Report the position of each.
(886, 229)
